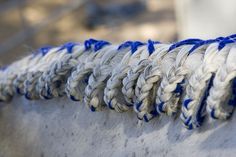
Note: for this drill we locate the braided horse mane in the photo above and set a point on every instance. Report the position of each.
(190, 79)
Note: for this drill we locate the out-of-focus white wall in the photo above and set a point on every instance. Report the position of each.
(205, 18)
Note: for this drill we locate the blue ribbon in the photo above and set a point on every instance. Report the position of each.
(27, 96)
(100, 44)
(73, 98)
(226, 40)
(125, 45)
(198, 42)
(179, 88)
(184, 42)
(88, 43)
(133, 44)
(153, 113)
(137, 106)
(68, 46)
(151, 47)
(93, 109)
(160, 107)
(186, 102)
(110, 105)
(43, 50)
(206, 42)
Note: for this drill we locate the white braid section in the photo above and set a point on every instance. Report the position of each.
(30, 84)
(8, 76)
(53, 80)
(126, 76)
(167, 99)
(97, 80)
(76, 83)
(193, 111)
(129, 82)
(147, 83)
(221, 99)
(113, 96)
(21, 77)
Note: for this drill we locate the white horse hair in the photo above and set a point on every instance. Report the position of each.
(192, 77)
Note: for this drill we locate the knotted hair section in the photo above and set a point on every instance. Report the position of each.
(189, 79)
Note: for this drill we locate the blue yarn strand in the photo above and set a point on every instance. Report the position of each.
(151, 47)
(133, 44)
(88, 43)
(43, 50)
(206, 42)
(227, 40)
(125, 45)
(100, 44)
(68, 46)
(184, 42)
(137, 106)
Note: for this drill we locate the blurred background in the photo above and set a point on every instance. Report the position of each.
(26, 25)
